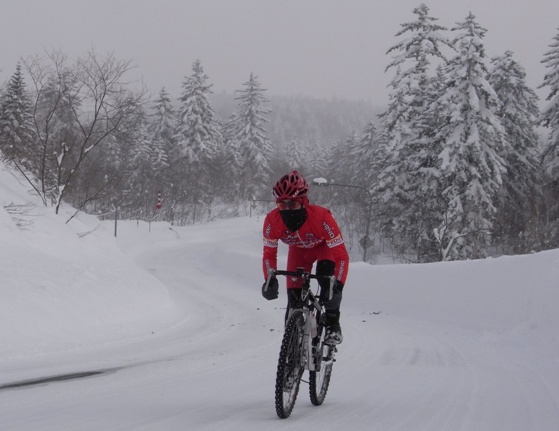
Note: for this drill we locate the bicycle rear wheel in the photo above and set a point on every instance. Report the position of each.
(319, 380)
(291, 365)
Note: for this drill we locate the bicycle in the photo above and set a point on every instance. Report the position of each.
(303, 346)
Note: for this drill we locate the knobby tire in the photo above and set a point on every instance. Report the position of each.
(320, 380)
(290, 365)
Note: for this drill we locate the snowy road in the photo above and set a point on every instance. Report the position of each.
(402, 367)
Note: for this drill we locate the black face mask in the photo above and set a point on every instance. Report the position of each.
(294, 219)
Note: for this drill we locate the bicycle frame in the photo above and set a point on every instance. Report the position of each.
(312, 308)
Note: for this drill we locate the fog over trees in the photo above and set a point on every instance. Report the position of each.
(458, 163)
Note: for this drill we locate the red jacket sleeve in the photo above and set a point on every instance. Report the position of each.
(270, 254)
(335, 242)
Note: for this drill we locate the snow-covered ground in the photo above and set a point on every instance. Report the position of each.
(168, 330)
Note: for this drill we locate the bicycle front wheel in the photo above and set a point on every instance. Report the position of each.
(291, 365)
(319, 380)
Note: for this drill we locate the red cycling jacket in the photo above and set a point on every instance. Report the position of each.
(318, 238)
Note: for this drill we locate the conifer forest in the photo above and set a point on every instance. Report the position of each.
(461, 161)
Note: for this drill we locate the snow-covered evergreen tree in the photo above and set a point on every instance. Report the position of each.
(288, 155)
(408, 179)
(198, 133)
(343, 162)
(518, 112)
(550, 119)
(129, 163)
(149, 164)
(143, 188)
(472, 141)
(356, 158)
(317, 162)
(252, 139)
(231, 146)
(295, 155)
(17, 138)
(162, 123)
(197, 136)
(161, 130)
(159, 157)
(550, 114)
(364, 152)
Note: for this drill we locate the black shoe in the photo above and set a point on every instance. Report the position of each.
(333, 335)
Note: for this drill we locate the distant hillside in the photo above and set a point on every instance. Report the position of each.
(307, 119)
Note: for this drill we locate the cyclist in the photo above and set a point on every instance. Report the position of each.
(312, 235)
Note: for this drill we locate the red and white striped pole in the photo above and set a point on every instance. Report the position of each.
(159, 204)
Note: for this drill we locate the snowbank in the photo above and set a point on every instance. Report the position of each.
(509, 293)
(63, 282)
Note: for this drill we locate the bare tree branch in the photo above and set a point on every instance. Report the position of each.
(77, 106)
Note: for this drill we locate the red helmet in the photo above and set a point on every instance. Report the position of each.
(291, 186)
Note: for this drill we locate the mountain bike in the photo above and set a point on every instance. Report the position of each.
(303, 347)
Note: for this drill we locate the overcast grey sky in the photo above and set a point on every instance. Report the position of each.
(319, 48)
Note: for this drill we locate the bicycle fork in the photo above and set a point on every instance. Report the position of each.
(312, 345)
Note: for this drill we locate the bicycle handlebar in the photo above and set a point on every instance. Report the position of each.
(305, 275)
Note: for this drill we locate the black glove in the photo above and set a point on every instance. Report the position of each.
(272, 292)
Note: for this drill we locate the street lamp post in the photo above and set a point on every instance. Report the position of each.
(365, 241)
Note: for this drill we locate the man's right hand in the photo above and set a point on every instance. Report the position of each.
(272, 290)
